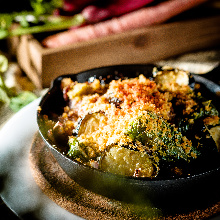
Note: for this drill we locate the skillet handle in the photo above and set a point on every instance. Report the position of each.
(213, 75)
(210, 85)
(211, 80)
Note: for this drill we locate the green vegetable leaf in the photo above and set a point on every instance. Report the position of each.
(42, 23)
(45, 6)
(3, 63)
(80, 150)
(4, 97)
(8, 95)
(77, 150)
(22, 100)
(3, 33)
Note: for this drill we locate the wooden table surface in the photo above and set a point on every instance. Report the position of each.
(200, 62)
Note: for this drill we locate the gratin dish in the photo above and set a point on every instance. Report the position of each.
(167, 193)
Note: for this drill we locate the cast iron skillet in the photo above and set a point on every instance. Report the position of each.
(168, 193)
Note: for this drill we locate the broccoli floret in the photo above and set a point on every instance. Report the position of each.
(165, 141)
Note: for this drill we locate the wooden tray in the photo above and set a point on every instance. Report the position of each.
(144, 45)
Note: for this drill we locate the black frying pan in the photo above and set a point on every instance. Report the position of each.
(170, 193)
